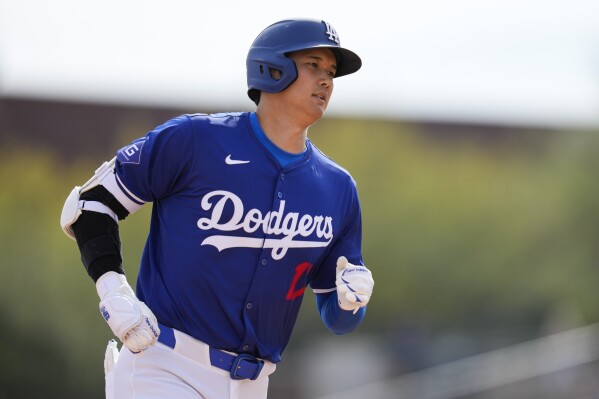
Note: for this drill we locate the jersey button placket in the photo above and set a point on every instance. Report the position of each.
(280, 185)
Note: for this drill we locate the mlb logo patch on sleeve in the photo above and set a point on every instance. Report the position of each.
(132, 152)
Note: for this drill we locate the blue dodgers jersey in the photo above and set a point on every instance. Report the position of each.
(235, 238)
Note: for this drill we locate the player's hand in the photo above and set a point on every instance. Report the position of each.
(354, 285)
(129, 318)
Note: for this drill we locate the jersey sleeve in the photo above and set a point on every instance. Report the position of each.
(154, 166)
(337, 320)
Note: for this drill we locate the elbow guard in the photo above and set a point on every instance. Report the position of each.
(74, 206)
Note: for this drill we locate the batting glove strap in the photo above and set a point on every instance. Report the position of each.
(128, 318)
(354, 285)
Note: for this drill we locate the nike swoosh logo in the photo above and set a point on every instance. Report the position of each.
(230, 161)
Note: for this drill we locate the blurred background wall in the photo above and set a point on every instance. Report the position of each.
(480, 227)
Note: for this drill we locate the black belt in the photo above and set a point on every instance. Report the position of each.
(240, 367)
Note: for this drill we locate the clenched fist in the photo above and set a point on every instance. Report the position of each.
(354, 285)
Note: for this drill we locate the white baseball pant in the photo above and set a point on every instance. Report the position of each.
(184, 371)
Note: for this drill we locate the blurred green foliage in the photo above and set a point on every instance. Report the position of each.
(466, 231)
(460, 232)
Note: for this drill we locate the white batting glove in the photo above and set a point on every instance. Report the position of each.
(354, 285)
(128, 317)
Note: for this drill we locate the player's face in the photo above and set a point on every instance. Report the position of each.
(312, 90)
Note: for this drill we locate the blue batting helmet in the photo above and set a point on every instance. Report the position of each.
(269, 51)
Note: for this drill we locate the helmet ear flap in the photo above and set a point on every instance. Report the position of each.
(274, 73)
(271, 75)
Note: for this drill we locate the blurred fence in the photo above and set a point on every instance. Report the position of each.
(562, 365)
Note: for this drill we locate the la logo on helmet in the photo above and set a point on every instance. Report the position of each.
(333, 36)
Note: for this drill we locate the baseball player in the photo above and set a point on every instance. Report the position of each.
(247, 213)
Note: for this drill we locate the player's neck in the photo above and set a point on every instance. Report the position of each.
(283, 133)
